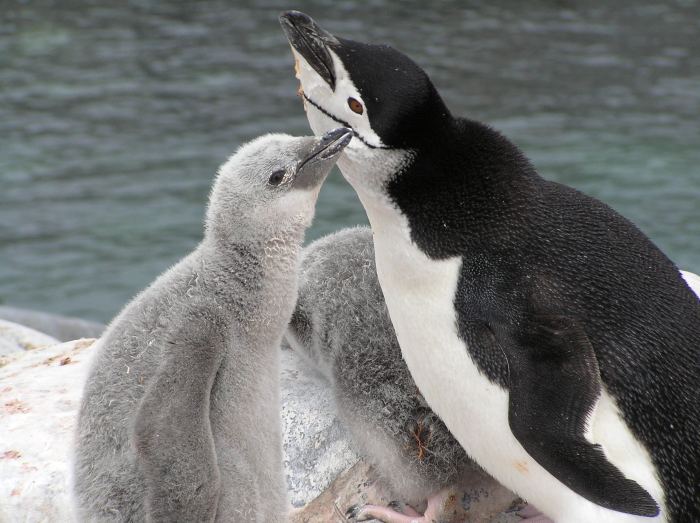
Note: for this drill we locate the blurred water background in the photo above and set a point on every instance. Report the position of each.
(114, 115)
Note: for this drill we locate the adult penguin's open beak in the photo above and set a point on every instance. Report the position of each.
(311, 42)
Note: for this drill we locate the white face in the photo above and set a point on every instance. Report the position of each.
(366, 168)
(334, 102)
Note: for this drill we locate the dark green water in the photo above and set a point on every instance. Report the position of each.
(114, 116)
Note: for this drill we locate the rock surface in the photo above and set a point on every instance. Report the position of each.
(316, 446)
(63, 328)
(39, 398)
(15, 338)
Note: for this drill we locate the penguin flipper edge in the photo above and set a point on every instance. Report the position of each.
(554, 386)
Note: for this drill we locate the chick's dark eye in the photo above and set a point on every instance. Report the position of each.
(355, 106)
(276, 177)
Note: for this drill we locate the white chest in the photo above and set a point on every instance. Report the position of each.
(420, 294)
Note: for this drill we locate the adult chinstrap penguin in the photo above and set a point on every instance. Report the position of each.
(558, 344)
(180, 417)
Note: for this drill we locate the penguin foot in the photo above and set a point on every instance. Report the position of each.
(531, 514)
(398, 512)
(403, 508)
(384, 514)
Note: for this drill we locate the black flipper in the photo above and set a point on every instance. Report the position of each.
(554, 384)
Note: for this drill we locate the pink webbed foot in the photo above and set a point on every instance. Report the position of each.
(397, 512)
(385, 514)
(531, 514)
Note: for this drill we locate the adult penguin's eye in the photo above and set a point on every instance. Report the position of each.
(276, 178)
(355, 106)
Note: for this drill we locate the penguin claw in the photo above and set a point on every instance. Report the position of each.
(357, 513)
(395, 505)
(351, 512)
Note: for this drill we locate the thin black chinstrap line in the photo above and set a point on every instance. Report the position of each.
(344, 123)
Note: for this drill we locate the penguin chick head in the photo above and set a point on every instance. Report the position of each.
(382, 95)
(268, 188)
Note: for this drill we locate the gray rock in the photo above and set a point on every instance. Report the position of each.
(16, 338)
(39, 400)
(316, 446)
(63, 328)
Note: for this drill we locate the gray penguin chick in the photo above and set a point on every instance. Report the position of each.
(341, 325)
(180, 418)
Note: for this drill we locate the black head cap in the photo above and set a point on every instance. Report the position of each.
(405, 108)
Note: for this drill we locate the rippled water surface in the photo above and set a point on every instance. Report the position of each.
(114, 116)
